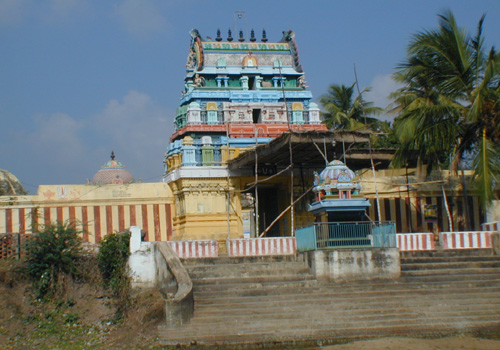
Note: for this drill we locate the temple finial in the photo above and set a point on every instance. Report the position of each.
(241, 39)
(218, 38)
(112, 155)
(252, 36)
(229, 37)
(264, 36)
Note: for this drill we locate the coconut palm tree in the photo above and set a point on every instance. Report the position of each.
(344, 111)
(449, 104)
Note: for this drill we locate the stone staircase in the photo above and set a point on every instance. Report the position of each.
(276, 301)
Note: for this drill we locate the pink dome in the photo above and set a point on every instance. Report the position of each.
(112, 172)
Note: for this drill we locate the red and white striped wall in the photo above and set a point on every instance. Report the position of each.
(196, 249)
(465, 240)
(491, 226)
(262, 246)
(95, 221)
(415, 241)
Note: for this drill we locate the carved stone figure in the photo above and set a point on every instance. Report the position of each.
(301, 82)
(199, 81)
(191, 62)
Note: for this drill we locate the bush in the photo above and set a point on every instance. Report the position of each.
(112, 262)
(52, 254)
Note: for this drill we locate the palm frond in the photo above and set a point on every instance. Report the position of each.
(486, 168)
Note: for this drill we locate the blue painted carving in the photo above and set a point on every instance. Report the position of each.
(212, 117)
(246, 96)
(189, 155)
(297, 117)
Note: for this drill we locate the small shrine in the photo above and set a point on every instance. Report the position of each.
(337, 195)
(112, 172)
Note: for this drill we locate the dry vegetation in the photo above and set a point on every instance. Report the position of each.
(84, 317)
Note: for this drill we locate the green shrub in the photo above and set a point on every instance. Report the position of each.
(51, 255)
(112, 262)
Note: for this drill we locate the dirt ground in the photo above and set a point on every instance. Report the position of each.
(87, 321)
(448, 343)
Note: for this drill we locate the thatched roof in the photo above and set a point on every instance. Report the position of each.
(309, 148)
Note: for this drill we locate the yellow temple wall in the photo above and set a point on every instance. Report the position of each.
(97, 210)
(201, 209)
(406, 205)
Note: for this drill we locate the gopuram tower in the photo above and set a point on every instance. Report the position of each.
(238, 94)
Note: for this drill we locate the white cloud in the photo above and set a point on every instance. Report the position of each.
(137, 129)
(381, 87)
(58, 134)
(60, 149)
(50, 150)
(141, 17)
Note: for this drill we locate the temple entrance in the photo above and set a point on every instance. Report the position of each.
(268, 210)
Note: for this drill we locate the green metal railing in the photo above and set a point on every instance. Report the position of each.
(345, 235)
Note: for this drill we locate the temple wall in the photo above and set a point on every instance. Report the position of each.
(98, 210)
(198, 209)
(406, 205)
(201, 209)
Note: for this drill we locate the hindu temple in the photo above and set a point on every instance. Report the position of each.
(249, 157)
(238, 95)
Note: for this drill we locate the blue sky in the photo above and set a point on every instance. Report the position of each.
(79, 78)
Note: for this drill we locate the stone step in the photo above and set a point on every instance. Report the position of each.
(273, 337)
(347, 311)
(243, 260)
(312, 286)
(411, 299)
(448, 278)
(247, 270)
(269, 300)
(332, 324)
(272, 286)
(334, 320)
(256, 290)
(335, 297)
(466, 272)
(251, 280)
(258, 266)
(293, 292)
(411, 283)
(425, 260)
(221, 274)
(446, 253)
(451, 265)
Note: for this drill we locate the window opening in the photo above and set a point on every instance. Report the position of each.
(256, 115)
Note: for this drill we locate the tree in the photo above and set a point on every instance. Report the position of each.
(449, 103)
(344, 111)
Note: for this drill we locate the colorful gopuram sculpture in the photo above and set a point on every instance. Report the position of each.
(237, 95)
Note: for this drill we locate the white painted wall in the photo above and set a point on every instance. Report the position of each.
(141, 262)
(341, 265)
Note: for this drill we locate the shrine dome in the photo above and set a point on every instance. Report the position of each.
(337, 171)
(112, 172)
(336, 177)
